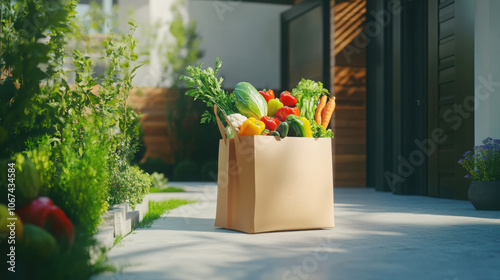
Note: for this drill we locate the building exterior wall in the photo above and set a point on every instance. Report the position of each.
(245, 36)
(487, 70)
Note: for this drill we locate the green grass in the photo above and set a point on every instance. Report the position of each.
(157, 208)
(164, 190)
(118, 239)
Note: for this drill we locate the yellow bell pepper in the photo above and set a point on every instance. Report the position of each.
(252, 127)
(307, 127)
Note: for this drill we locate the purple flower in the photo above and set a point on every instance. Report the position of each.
(460, 160)
(466, 158)
(467, 153)
(496, 141)
(467, 176)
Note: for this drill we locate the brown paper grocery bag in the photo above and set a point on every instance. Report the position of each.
(266, 183)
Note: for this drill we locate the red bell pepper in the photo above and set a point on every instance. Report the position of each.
(43, 213)
(36, 211)
(284, 111)
(268, 95)
(271, 123)
(288, 99)
(60, 226)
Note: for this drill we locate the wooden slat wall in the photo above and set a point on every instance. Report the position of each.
(349, 87)
(152, 103)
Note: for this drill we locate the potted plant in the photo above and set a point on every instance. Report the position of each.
(483, 167)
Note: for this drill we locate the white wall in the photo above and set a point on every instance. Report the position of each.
(245, 36)
(487, 68)
(146, 13)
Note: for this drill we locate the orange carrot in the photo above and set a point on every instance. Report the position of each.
(319, 110)
(327, 112)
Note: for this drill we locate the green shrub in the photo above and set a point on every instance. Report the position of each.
(209, 170)
(157, 164)
(82, 186)
(128, 185)
(134, 130)
(159, 180)
(187, 170)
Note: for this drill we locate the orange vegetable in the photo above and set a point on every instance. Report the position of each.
(319, 110)
(327, 112)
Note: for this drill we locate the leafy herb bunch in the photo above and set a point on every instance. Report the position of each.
(483, 162)
(203, 85)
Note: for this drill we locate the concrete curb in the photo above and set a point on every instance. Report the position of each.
(120, 220)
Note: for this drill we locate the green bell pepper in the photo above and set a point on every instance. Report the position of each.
(282, 129)
(301, 127)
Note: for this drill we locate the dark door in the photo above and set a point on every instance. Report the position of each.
(305, 44)
(451, 93)
(420, 87)
(396, 96)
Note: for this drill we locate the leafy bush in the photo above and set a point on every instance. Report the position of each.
(159, 180)
(187, 170)
(129, 185)
(81, 189)
(157, 164)
(25, 62)
(75, 138)
(136, 133)
(209, 171)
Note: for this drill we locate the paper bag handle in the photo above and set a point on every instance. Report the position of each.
(222, 129)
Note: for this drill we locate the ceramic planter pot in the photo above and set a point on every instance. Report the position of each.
(485, 195)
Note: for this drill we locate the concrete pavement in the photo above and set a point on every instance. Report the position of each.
(377, 236)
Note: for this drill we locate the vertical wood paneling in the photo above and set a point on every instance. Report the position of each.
(152, 103)
(348, 84)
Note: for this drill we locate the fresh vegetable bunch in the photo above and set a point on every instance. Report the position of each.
(203, 85)
(304, 112)
(41, 226)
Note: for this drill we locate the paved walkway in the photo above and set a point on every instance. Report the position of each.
(377, 236)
